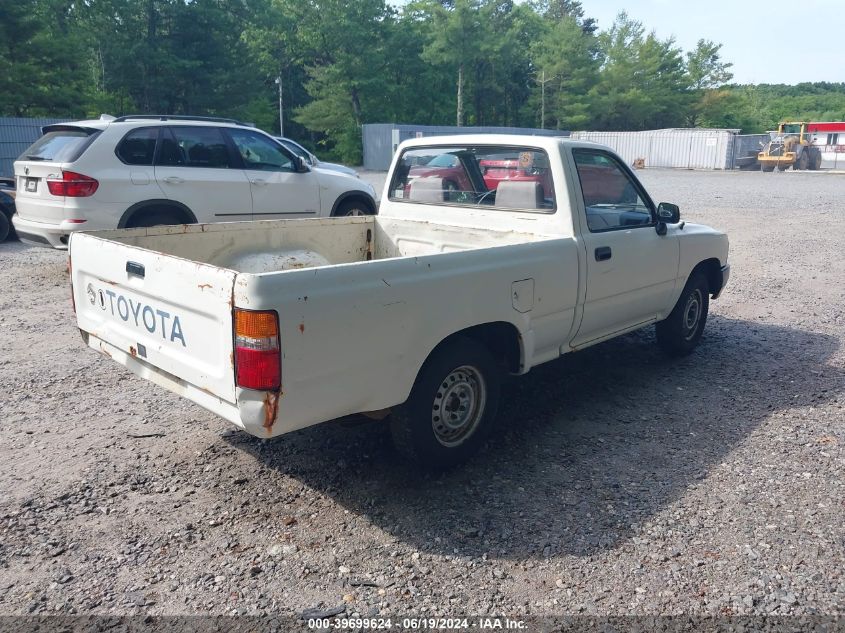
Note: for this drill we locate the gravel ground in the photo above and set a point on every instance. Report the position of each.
(621, 483)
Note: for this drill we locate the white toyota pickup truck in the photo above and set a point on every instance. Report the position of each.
(489, 255)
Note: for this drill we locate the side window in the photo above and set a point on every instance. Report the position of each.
(507, 178)
(138, 147)
(193, 147)
(611, 199)
(260, 153)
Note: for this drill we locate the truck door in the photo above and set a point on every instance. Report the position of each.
(278, 190)
(631, 270)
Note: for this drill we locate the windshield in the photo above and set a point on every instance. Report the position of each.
(444, 160)
(61, 146)
(296, 148)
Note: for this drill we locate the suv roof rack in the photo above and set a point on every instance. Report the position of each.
(177, 117)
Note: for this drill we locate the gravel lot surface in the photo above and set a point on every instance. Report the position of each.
(621, 482)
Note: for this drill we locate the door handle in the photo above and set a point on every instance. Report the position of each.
(603, 253)
(258, 181)
(174, 180)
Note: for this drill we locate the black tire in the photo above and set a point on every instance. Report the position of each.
(353, 208)
(803, 162)
(5, 226)
(462, 379)
(679, 333)
(816, 161)
(156, 216)
(765, 167)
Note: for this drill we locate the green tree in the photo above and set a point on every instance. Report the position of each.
(345, 43)
(455, 32)
(566, 67)
(707, 74)
(41, 73)
(643, 82)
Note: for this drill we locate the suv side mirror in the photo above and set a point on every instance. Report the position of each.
(668, 213)
(300, 164)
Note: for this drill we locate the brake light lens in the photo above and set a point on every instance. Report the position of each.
(72, 185)
(258, 359)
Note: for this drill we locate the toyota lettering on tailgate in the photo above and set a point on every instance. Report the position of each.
(142, 315)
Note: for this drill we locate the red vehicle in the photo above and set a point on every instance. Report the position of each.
(449, 168)
(525, 167)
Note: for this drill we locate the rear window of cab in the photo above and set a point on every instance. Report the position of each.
(516, 178)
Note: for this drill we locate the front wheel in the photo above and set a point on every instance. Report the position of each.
(679, 333)
(452, 406)
(353, 208)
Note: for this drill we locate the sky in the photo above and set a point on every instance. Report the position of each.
(768, 41)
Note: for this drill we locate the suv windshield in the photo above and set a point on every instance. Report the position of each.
(60, 146)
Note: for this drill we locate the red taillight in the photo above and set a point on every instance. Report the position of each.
(72, 185)
(258, 363)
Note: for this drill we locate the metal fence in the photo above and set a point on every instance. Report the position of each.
(16, 134)
(380, 140)
(670, 148)
(746, 148)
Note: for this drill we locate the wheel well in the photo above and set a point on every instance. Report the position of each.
(362, 198)
(184, 212)
(502, 340)
(712, 270)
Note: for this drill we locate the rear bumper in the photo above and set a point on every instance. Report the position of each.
(45, 233)
(255, 411)
(726, 275)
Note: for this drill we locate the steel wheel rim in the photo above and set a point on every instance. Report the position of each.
(458, 405)
(692, 314)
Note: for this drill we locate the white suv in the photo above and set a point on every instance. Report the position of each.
(147, 170)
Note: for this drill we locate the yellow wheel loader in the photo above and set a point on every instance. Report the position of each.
(792, 147)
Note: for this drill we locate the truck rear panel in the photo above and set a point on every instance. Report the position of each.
(166, 313)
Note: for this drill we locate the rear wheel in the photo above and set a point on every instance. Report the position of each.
(816, 161)
(5, 226)
(679, 333)
(803, 162)
(155, 216)
(452, 406)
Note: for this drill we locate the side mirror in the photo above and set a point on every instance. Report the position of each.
(668, 213)
(300, 164)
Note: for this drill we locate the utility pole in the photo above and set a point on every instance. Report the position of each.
(281, 107)
(543, 81)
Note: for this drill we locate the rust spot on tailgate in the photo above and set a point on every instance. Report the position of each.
(133, 352)
(369, 244)
(271, 408)
(302, 328)
(204, 286)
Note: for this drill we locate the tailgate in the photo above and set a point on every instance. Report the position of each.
(170, 313)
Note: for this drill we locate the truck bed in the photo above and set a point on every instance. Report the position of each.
(277, 245)
(361, 302)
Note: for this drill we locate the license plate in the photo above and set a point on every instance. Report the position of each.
(31, 184)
